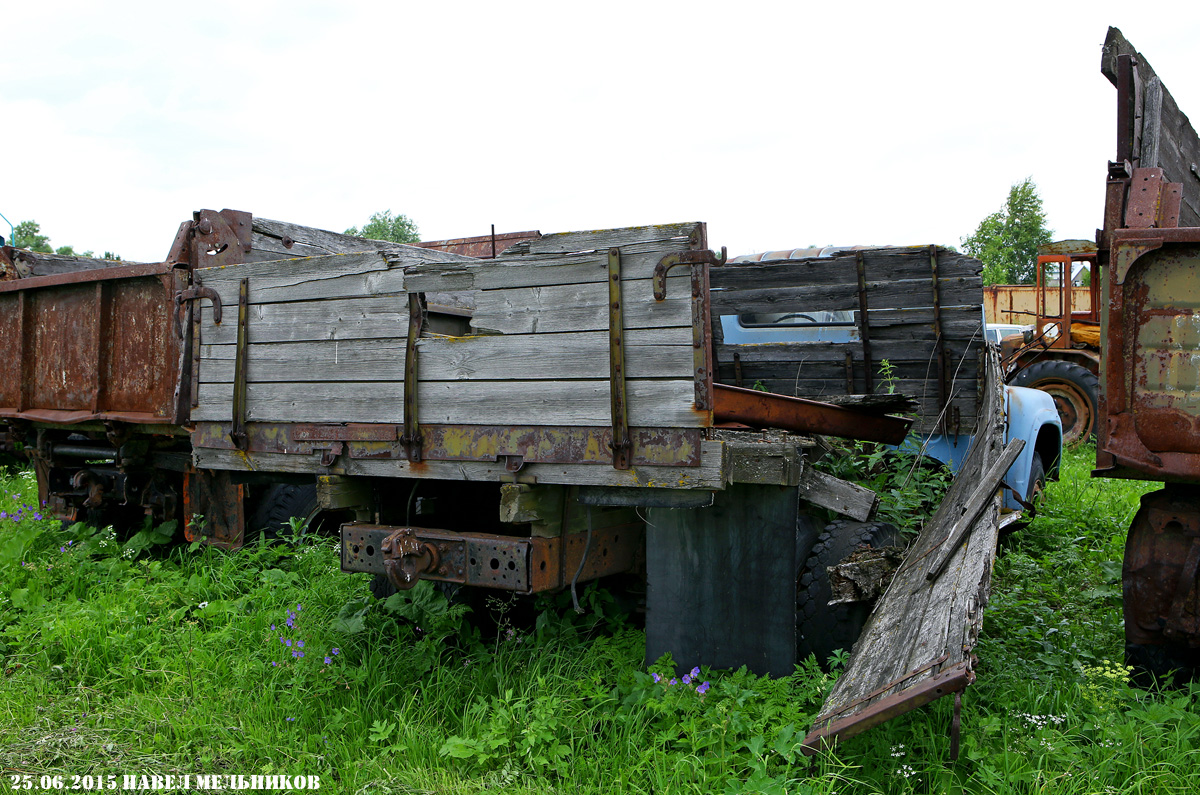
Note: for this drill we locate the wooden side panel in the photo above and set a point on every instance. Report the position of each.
(327, 336)
(901, 328)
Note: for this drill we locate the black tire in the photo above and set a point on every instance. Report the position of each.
(279, 503)
(1076, 393)
(1037, 481)
(822, 629)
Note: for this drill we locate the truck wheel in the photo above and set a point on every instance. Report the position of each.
(1076, 393)
(279, 503)
(822, 629)
(1037, 481)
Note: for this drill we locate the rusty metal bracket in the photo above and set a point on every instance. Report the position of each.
(694, 257)
(194, 294)
(940, 343)
(864, 324)
(411, 436)
(238, 433)
(406, 558)
(329, 454)
(621, 445)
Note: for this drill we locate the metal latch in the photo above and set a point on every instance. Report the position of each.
(193, 294)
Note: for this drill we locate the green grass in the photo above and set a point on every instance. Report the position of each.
(144, 658)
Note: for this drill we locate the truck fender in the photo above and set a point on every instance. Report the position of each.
(1030, 415)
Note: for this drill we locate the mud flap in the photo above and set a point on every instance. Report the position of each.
(721, 581)
(916, 646)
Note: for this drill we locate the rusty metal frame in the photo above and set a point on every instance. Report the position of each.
(411, 435)
(864, 325)
(949, 680)
(619, 397)
(944, 419)
(240, 394)
(768, 410)
(513, 563)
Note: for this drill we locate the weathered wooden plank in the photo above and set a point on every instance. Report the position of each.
(332, 276)
(712, 474)
(581, 307)
(651, 403)
(649, 353)
(267, 243)
(902, 294)
(370, 317)
(505, 272)
(840, 496)
(880, 265)
(603, 239)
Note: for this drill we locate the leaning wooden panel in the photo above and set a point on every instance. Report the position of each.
(917, 645)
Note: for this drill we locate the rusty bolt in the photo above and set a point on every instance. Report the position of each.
(287, 242)
(205, 226)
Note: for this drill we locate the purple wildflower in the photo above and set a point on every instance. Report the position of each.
(696, 672)
(37, 515)
(336, 650)
(288, 642)
(297, 605)
(702, 689)
(289, 621)
(291, 718)
(673, 682)
(687, 679)
(272, 627)
(328, 660)
(300, 643)
(657, 678)
(300, 654)
(62, 549)
(274, 664)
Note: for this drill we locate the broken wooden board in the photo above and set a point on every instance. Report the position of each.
(917, 644)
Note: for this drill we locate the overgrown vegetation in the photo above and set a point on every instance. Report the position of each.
(142, 657)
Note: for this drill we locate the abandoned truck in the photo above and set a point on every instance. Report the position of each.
(531, 421)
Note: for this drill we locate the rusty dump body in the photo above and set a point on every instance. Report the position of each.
(1151, 303)
(1150, 366)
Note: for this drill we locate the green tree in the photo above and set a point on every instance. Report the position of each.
(26, 235)
(1006, 242)
(385, 226)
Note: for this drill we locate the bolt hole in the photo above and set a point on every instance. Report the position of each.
(370, 549)
(604, 552)
(474, 562)
(495, 564)
(512, 565)
(543, 566)
(355, 548)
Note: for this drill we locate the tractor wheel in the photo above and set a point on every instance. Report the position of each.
(1076, 393)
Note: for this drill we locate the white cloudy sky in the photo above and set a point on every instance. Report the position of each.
(780, 124)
